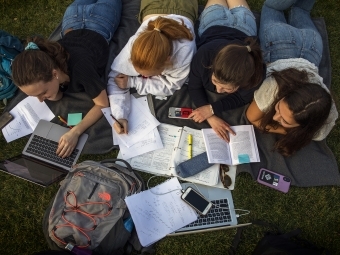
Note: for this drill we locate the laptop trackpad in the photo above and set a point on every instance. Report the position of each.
(56, 132)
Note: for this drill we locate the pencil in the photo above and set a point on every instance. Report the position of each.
(120, 124)
(63, 121)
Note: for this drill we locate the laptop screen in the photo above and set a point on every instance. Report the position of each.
(31, 170)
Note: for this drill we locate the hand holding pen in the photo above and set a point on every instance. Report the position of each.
(121, 125)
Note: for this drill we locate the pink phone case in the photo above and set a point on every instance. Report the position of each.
(273, 180)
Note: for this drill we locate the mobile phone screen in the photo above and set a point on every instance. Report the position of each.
(270, 178)
(197, 201)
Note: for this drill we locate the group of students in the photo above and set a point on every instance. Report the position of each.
(276, 71)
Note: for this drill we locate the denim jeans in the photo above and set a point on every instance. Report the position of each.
(296, 37)
(101, 16)
(239, 18)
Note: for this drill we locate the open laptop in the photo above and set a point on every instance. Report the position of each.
(219, 217)
(38, 162)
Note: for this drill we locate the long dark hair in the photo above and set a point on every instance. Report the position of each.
(239, 64)
(310, 104)
(32, 66)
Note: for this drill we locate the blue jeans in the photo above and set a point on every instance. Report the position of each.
(101, 16)
(296, 38)
(239, 18)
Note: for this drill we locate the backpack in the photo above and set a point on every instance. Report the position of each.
(10, 46)
(89, 208)
(279, 243)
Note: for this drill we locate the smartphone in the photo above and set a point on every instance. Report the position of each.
(179, 112)
(5, 118)
(196, 201)
(273, 180)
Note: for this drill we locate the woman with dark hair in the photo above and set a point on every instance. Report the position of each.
(292, 101)
(156, 59)
(228, 65)
(75, 63)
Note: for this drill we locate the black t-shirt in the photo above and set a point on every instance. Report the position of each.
(209, 44)
(89, 54)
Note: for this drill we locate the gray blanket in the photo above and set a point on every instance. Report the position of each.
(314, 165)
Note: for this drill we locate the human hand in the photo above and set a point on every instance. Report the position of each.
(220, 127)
(201, 114)
(121, 80)
(67, 143)
(123, 128)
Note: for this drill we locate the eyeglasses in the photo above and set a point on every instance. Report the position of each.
(225, 178)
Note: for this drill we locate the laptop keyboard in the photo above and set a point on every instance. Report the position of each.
(218, 214)
(46, 149)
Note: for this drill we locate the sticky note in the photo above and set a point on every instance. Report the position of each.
(74, 118)
(243, 158)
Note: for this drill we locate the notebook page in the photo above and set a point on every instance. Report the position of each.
(156, 215)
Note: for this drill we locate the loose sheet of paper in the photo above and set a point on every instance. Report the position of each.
(159, 161)
(156, 215)
(141, 123)
(26, 115)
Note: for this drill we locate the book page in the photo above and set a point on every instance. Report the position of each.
(208, 176)
(159, 211)
(243, 146)
(26, 115)
(218, 150)
(158, 161)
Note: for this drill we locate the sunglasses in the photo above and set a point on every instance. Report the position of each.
(225, 178)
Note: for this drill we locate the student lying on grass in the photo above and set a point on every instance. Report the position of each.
(156, 60)
(75, 63)
(228, 63)
(292, 101)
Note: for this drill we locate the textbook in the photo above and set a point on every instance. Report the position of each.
(175, 150)
(241, 149)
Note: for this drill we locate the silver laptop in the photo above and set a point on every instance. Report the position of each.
(219, 217)
(38, 162)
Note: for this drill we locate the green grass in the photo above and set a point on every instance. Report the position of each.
(315, 210)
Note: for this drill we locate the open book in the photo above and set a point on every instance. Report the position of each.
(175, 151)
(241, 149)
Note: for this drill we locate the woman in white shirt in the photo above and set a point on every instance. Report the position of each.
(156, 60)
(292, 101)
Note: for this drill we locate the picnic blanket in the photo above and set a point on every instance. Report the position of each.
(314, 165)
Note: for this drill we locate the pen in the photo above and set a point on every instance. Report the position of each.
(63, 121)
(120, 124)
(190, 145)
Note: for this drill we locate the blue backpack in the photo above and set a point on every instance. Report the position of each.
(10, 46)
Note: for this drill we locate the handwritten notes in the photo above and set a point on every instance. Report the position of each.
(26, 115)
(159, 211)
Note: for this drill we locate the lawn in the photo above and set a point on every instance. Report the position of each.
(315, 210)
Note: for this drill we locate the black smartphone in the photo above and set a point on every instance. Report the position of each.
(5, 118)
(196, 201)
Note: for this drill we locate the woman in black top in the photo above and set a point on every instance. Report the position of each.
(75, 63)
(228, 62)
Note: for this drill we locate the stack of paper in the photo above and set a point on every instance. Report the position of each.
(159, 211)
(142, 136)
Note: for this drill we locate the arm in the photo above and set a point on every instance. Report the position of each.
(254, 115)
(68, 141)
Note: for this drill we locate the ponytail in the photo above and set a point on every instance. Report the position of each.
(240, 64)
(152, 48)
(36, 65)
